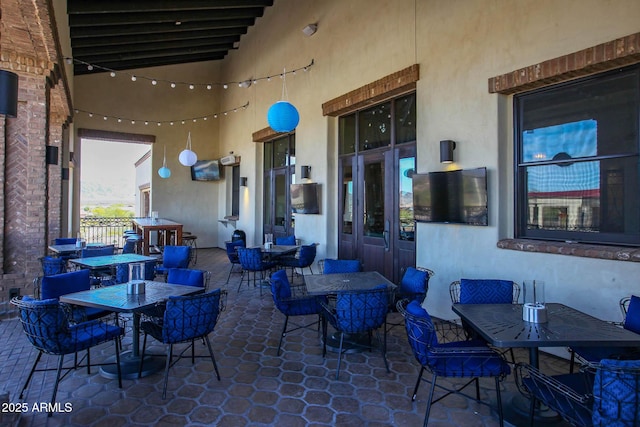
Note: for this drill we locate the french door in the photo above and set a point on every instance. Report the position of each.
(377, 224)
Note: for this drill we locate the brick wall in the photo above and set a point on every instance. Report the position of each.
(30, 211)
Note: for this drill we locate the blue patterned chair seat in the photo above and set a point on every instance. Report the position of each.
(341, 266)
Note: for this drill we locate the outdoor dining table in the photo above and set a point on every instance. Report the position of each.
(164, 227)
(502, 325)
(116, 299)
(326, 284)
(100, 262)
(72, 248)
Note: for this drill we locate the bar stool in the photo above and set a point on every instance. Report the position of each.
(189, 239)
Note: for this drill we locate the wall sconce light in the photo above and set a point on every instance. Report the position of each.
(305, 172)
(243, 181)
(310, 29)
(8, 93)
(446, 150)
(65, 174)
(51, 154)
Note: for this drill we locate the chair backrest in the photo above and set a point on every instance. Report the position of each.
(414, 284)
(189, 317)
(53, 265)
(46, 324)
(64, 241)
(421, 332)
(280, 289)
(341, 266)
(122, 271)
(250, 258)
(129, 246)
(286, 240)
(187, 276)
(176, 256)
(484, 291)
(306, 255)
(66, 283)
(232, 252)
(632, 315)
(361, 310)
(616, 393)
(99, 251)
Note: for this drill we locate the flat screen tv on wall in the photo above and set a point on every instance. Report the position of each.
(304, 198)
(457, 197)
(206, 170)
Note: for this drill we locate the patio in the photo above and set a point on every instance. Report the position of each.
(257, 387)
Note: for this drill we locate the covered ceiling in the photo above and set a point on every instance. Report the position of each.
(127, 34)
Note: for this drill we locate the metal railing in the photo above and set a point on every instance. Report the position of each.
(105, 230)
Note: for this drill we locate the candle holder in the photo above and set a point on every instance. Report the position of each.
(534, 309)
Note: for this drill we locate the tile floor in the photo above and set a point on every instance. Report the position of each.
(258, 387)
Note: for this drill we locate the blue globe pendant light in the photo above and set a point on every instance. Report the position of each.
(164, 171)
(283, 116)
(188, 157)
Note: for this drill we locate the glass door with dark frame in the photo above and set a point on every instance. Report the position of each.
(279, 169)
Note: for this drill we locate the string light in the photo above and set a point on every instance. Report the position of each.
(133, 121)
(190, 85)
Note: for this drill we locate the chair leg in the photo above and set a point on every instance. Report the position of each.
(430, 399)
(166, 371)
(339, 355)
(213, 359)
(532, 410)
(88, 361)
(33, 369)
(384, 348)
(499, 401)
(55, 385)
(572, 361)
(415, 389)
(284, 330)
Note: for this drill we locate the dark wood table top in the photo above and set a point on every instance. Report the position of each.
(115, 298)
(323, 284)
(109, 260)
(502, 326)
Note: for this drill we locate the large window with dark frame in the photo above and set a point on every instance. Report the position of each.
(577, 163)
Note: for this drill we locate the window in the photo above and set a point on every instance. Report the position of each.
(577, 174)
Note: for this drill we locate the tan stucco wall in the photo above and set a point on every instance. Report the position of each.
(459, 45)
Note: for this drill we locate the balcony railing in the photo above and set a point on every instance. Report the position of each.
(105, 230)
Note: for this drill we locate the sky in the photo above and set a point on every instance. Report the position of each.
(108, 170)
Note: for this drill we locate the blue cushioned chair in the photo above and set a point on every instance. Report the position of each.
(341, 266)
(484, 291)
(101, 274)
(286, 240)
(232, 254)
(52, 287)
(174, 257)
(53, 265)
(303, 259)
(48, 329)
(98, 251)
(253, 263)
(413, 286)
(189, 277)
(357, 312)
(293, 302)
(602, 394)
(185, 319)
(457, 359)
(129, 246)
(630, 307)
(64, 241)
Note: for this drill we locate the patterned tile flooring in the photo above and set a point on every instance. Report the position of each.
(258, 387)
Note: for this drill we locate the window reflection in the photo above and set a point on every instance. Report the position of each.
(405, 198)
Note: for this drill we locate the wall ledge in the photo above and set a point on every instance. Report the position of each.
(613, 253)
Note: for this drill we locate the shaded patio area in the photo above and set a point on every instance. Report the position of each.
(257, 387)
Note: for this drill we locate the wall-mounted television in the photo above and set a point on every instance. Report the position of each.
(458, 196)
(206, 170)
(305, 198)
